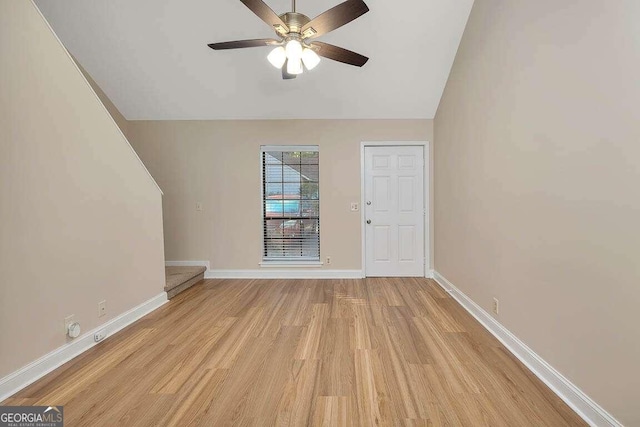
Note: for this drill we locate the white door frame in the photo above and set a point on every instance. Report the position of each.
(426, 171)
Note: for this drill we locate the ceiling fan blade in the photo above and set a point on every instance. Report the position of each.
(334, 18)
(339, 54)
(238, 44)
(267, 14)
(285, 75)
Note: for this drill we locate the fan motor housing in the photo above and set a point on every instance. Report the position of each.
(295, 21)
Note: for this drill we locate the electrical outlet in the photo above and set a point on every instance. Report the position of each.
(199, 207)
(355, 207)
(328, 260)
(67, 321)
(99, 336)
(496, 306)
(102, 308)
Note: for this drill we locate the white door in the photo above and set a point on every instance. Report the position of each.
(394, 211)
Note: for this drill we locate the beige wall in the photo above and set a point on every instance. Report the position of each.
(80, 218)
(218, 163)
(537, 193)
(120, 120)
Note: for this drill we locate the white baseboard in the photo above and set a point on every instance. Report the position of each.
(37, 369)
(269, 273)
(582, 404)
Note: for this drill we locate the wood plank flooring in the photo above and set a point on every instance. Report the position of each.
(374, 352)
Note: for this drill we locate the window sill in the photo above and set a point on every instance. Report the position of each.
(291, 264)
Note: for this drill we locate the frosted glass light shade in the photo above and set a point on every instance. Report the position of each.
(294, 50)
(310, 59)
(277, 57)
(294, 66)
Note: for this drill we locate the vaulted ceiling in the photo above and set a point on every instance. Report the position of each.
(151, 58)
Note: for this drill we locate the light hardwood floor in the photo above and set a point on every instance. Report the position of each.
(388, 352)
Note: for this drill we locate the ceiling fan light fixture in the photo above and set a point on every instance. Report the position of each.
(294, 50)
(310, 59)
(277, 57)
(294, 66)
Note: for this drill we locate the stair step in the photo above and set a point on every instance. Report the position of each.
(179, 279)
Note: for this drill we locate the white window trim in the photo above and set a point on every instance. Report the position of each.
(266, 262)
(287, 148)
(288, 263)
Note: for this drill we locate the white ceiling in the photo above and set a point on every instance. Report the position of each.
(151, 58)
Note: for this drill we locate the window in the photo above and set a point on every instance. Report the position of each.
(290, 203)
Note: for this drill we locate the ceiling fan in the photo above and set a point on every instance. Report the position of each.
(295, 48)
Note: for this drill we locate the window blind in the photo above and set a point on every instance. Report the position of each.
(290, 203)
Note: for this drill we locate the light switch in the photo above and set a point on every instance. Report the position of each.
(199, 207)
(355, 207)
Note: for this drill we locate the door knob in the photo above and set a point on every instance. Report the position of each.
(368, 221)
(369, 203)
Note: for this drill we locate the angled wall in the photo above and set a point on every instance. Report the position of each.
(120, 120)
(537, 165)
(80, 217)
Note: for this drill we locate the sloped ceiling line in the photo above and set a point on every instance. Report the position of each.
(151, 59)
